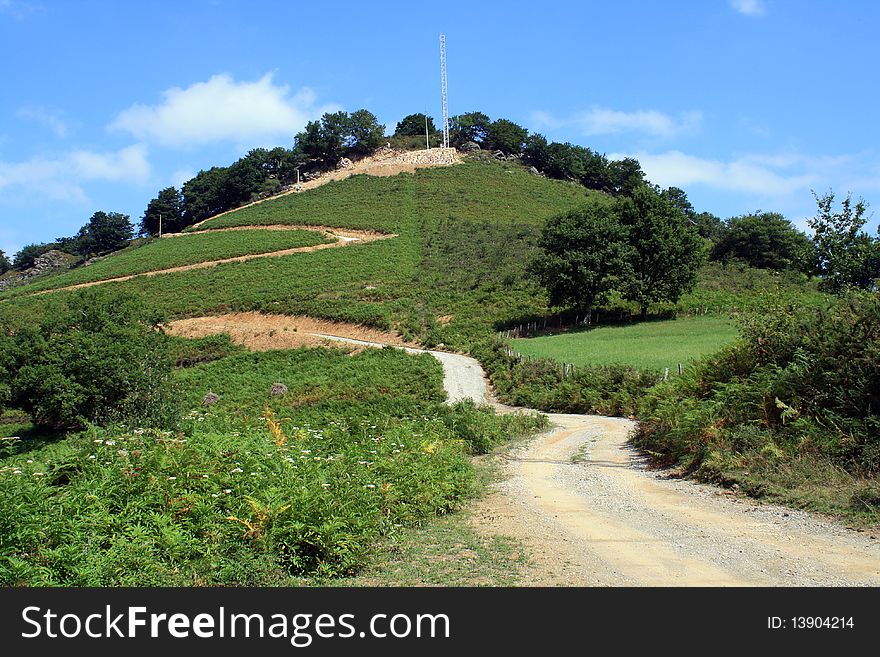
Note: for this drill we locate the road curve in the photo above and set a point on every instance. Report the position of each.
(580, 498)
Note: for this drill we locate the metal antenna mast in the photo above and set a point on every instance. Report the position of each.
(443, 91)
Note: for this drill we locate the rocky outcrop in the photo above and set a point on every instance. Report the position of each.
(48, 262)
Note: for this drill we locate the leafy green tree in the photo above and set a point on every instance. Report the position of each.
(106, 232)
(413, 125)
(169, 206)
(585, 256)
(626, 176)
(473, 126)
(96, 358)
(535, 152)
(5, 264)
(766, 240)
(335, 129)
(203, 195)
(666, 252)
(679, 199)
(365, 133)
(310, 142)
(846, 255)
(506, 136)
(709, 226)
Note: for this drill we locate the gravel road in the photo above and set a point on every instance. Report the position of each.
(581, 499)
(589, 513)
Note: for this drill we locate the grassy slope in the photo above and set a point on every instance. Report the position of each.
(465, 236)
(176, 252)
(652, 345)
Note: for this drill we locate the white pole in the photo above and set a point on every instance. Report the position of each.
(160, 225)
(427, 144)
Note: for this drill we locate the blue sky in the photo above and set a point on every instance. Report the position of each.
(745, 104)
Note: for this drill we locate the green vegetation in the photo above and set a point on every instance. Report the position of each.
(846, 256)
(766, 240)
(650, 345)
(300, 487)
(103, 233)
(255, 489)
(176, 252)
(97, 358)
(639, 245)
(793, 404)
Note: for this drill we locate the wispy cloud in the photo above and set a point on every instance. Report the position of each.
(49, 118)
(62, 178)
(606, 121)
(749, 7)
(749, 175)
(19, 9)
(222, 109)
(763, 176)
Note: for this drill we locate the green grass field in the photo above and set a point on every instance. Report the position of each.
(652, 344)
(177, 252)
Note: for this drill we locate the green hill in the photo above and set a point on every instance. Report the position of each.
(264, 489)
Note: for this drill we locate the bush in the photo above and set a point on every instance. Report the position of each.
(800, 383)
(95, 358)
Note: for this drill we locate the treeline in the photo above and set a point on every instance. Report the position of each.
(104, 232)
(553, 159)
(262, 172)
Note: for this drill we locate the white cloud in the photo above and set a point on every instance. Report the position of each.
(749, 7)
(62, 178)
(222, 109)
(770, 176)
(606, 121)
(46, 117)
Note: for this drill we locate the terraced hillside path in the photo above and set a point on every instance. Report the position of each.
(340, 237)
(590, 514)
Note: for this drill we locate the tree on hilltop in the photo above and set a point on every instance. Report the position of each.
(506, 136)
(413, 125)
(106, 232)
(5, 264)
(365, 133)
(169, 206)
(472, 126)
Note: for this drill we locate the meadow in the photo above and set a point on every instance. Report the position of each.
(176, 252)
(652, 344)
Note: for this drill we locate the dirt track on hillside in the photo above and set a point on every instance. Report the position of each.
(603, 519)
(343, 237)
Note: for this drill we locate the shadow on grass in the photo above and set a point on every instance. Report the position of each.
(533, 326)
(31, 438)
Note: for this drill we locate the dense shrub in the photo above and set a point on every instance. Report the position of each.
(542, 384)
(94, 358)
(800, 383)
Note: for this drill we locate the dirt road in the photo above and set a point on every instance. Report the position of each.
(588, 511)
